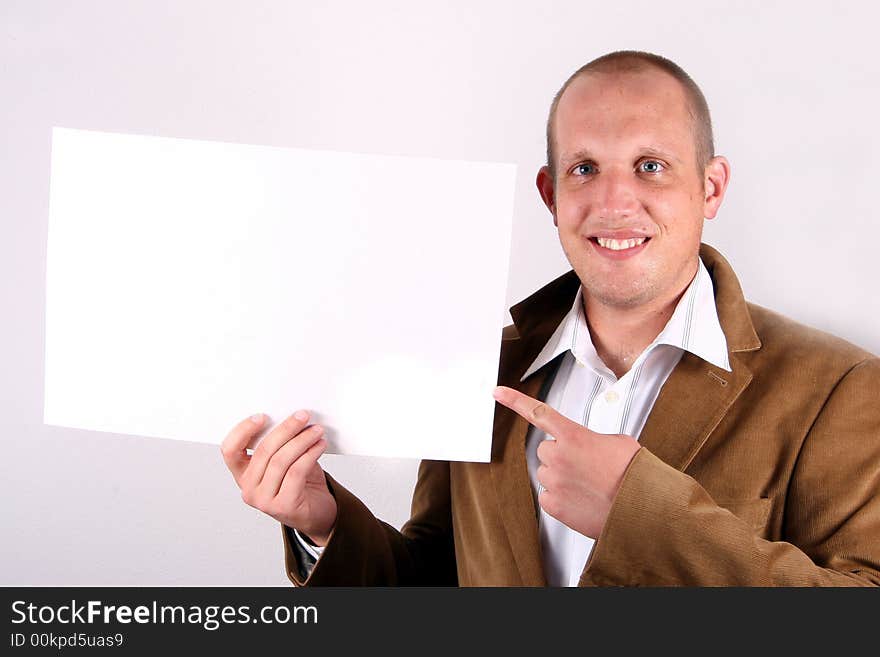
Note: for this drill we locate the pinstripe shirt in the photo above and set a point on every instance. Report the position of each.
(587, 392)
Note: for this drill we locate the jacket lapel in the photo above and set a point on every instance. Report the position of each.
(511, 478)
(697, 395)
(535, 319)
(691, 404)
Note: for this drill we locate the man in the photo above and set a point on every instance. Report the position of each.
(685, 437)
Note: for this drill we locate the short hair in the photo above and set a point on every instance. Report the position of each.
(631, 61)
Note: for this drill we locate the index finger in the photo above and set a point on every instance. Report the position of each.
(235, 444)
(550, 421)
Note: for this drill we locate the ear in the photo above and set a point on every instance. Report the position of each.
(715, 180)
(546, 189)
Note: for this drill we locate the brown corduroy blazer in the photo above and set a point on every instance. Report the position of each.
(766, 475)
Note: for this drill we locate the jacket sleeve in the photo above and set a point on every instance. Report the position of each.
(365, 551)
(831, 527)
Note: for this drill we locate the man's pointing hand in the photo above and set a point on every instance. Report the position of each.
(580, 470)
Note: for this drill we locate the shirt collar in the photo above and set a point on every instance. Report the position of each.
(693, 327)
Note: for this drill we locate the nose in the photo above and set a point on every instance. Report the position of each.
(616, 197)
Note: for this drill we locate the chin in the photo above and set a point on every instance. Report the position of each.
(617, 297)
(624, 302)
(622, 287)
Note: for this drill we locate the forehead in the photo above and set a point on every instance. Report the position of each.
(615, 111)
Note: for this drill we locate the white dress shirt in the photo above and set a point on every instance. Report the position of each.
(587, 392)
(313, 550)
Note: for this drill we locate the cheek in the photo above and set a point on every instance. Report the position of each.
(568, 217)
(680, 215)
(572, 207)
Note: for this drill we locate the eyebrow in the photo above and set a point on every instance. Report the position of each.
(659, 152)
(567, 159)
(644, 151)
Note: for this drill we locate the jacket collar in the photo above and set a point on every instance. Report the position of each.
(540, 314)
(693, 327)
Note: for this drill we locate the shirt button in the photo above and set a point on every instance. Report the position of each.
(612, 397)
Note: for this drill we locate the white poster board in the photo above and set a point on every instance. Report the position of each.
(191, 284)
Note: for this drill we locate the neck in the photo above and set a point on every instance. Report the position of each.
(621, 334)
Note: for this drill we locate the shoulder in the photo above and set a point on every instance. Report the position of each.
(788, 344)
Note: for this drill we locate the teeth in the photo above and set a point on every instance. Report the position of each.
(619, 245)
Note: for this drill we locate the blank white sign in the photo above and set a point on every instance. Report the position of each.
(191, 284)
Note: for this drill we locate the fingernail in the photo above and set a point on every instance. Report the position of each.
(302, 416)
(257, 418)
(497, 393)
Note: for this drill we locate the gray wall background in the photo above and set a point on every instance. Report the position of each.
(794, 94)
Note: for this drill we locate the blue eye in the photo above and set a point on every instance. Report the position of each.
(584, 169)
(651, 166)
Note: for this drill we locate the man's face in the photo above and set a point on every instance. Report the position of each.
(628, 198)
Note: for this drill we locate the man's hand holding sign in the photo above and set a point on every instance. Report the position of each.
(282, 478)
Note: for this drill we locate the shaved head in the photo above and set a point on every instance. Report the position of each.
(623, 62)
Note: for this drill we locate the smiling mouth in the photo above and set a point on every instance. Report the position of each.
(619, 245)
